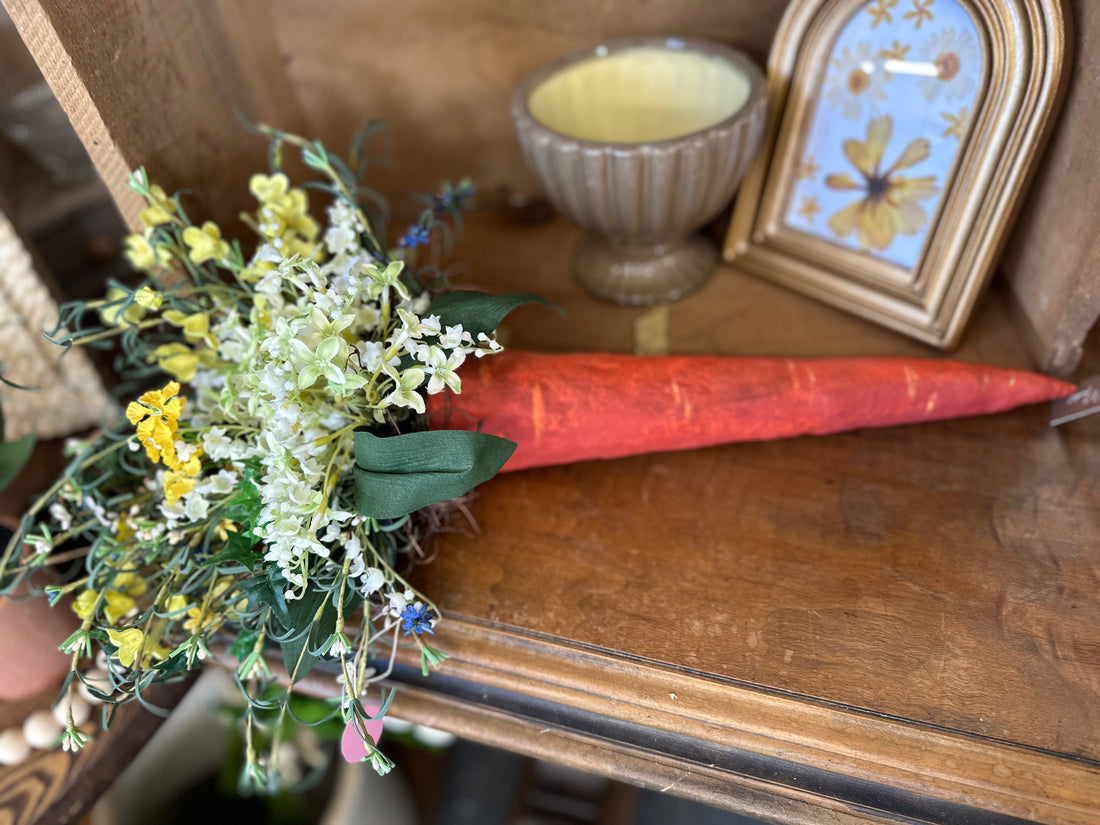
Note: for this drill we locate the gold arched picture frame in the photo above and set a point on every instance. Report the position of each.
(900, 140)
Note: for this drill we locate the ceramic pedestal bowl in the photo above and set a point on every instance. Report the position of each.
(641, 142)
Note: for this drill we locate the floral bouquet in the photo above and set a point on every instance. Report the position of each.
(276, 476)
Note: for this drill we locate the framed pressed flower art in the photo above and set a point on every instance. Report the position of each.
(901, 136)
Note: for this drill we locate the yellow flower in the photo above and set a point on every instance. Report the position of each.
(891, 203)
(113, 316)
(176, 603)
(156, 415)
(268, 188)
(129, 643)
(178, 360)
(192, 466)
(118, 605)
(130, 583)
(196, 326)
(176, 485)
(148, 298)
(205, 244)
(83, 604)
(143, 255)
(197, 621)
(160, 210)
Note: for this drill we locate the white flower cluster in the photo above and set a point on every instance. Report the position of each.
(325, 347)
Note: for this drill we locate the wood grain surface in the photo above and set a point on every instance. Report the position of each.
(57, 788)
(898, 625)
(163, 85)
(915, 607)
(1053, 257)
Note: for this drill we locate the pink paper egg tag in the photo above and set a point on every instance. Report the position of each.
(352, 746)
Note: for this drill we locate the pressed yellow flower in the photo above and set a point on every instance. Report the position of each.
(196, 326)
(178, 360)
(113, 316)
(156, 415)
(267, 188)
(143, 255)
(176, 485)
(891, 204)
(205, 244)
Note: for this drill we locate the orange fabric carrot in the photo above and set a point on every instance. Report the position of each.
(562, 408)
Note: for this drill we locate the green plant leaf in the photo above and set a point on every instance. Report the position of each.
(478, 312)
(309, 631)
(266, 587)
(238, 550)
(395, 476)
(13, 456)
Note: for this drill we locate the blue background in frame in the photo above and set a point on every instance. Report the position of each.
(919, 64)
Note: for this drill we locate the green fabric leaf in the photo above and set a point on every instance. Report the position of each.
(266, 587)
(395, 476)
(13, 456)
(238, 550)
(478, 312)
(310, 632)
(243, 644)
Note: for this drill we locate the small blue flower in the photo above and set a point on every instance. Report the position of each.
(415, 235)
(417, 619)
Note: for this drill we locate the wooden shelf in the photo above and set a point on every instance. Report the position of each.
(886, 624)
(892, 625)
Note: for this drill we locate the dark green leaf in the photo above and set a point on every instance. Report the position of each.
(238, 550)
(13, 455)
(267, 588)
(176, 663)
(311, 631)
(478, 312)
(395, 476)
(243, 644)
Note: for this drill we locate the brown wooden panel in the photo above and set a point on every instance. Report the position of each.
(442, 73)
(156, 84)
(1053, 259)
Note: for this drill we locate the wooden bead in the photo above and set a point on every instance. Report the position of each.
(81, 710)
(13, 747)
(99, 680)
(41, 730)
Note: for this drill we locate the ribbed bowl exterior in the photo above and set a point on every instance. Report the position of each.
(644, 193)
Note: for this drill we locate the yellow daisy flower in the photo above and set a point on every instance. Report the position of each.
(891, 203)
